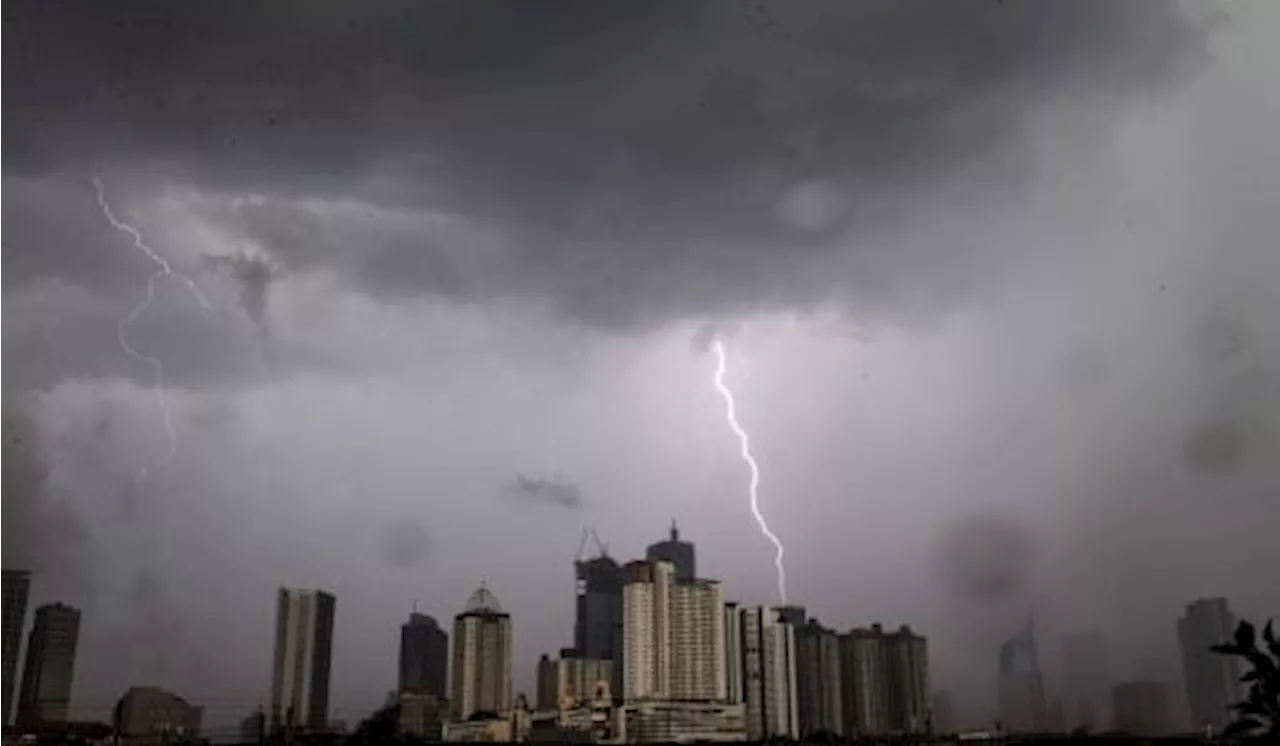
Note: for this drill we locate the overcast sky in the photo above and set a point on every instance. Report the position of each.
(997, 281)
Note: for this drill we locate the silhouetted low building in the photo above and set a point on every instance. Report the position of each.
(148, 714)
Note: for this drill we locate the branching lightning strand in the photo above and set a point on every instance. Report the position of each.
(163, 269)
(754, 488)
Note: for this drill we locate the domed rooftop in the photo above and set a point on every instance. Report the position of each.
(482, 600)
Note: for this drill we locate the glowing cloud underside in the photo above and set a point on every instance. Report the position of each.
(163, 269)
(753, 489)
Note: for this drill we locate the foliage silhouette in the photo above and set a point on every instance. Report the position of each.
(1258, 714)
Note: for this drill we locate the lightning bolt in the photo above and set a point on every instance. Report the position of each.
(753, 489)
(163, 269)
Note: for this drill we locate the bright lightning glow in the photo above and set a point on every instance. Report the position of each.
(163, 269)
(754, 488)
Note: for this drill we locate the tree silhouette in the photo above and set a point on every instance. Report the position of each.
(1258, 714)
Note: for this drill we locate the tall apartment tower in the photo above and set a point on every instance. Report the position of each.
(884, 681)
(734, 678)
(769, 674)
(679, 553)
(597, 629)
(818, 692)
(673, 635)
(424, 656)
(50, 667)
(482, 657)
(1020, 686)
(1212, 680)
(303, 660)
(17, 589)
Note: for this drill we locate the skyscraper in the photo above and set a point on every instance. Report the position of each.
(1086, 682)
(884, 680)
(673, 635)
(50, 667)
(769, 674)
(482, 656)
(571, 679)
(17, 588)
(1212, 680)
(303, 659)
(1020, 685)
(679, 553)
(597, 629)
(424, 656)
(818, 680)
(734, 681)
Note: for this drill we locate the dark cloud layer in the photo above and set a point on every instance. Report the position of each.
(553, 491)
(639, 162)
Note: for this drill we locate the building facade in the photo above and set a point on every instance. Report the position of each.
(597, 628)
(769, 674)
(680, 554)
(884, 680)
(1020, 685)
(673, 635)
(482, 657)
(570, 681)
(50, 668)
(303, 660)
(734, 682)
(1212, 680)
(17, 590)
(424, 656)
(818, 692)
(150, 715)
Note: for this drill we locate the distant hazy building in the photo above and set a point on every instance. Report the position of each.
(944, 712)
(482, 657)
(673, 635)
(50, 667)
(769, 674)
(150, 715)
(679, 553)
(1020, 686)
(1212, 680)
(597, 629)
(884, 681)
(1141, 709)
(818, 694)
(303, 659)
(570, 681)
(17, 589)
(1086, 682)
(253, 727)
(424, 656)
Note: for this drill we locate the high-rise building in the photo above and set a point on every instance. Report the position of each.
(1212, 680)
(944, 712)
(17, 588)
(679, 553)
(1141, 709)
(1086, 682)
(818, 680)
(482, 657)
(1020, 685)
(50, 668)
(673, 635)
(570, 681)
(597, 629)
(424, 656)
(734, 681)
(769, 674)
(303, 660)
(884, 680)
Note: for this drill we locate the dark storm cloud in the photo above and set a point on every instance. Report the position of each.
(987, 557)
(554, 491)
(404, 544)
(254, 275)
(640, 160)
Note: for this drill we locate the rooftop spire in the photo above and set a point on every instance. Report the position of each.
(675, 532)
